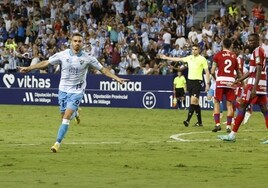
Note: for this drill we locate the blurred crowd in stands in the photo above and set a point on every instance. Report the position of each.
(127, 36)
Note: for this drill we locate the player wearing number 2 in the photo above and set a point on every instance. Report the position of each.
(74, 64)
(227, 67)
(255, 91)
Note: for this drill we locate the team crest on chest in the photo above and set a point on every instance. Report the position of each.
(81, 62)
(258, 59)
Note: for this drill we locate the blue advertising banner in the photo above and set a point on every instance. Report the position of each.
(140, 92)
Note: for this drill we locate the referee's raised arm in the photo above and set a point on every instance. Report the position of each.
(162, 56)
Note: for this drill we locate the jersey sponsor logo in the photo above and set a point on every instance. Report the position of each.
(115, 86)
(263, 88)
(73, 70)
(227, 83)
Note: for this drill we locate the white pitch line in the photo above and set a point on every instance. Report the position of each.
(177, 137)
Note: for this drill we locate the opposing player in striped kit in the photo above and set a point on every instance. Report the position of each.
(256, 89)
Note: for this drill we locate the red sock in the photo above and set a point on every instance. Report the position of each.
(234, 106)
(266, 118)
(238, 120)
(217, 118)
(229, 120)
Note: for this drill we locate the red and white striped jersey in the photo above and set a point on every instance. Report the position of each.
(258, 58)
(243, 70)
(240, 61)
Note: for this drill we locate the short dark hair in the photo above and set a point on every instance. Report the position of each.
(238, 47)
(196, 45)
(77, 35)
(255, 35)
(227, 43)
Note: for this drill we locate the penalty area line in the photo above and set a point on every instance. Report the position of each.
(177, 137)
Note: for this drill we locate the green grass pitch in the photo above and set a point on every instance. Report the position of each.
(127, 148)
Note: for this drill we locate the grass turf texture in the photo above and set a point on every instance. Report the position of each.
(118, 147)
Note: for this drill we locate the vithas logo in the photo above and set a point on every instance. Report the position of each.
(28, 97)
(8, 80)
(28, 81)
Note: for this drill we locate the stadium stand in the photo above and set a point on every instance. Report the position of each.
(36, 30)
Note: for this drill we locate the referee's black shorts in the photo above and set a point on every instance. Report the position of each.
(194, 87)
(180, 92)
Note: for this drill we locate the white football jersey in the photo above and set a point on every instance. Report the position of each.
(74, 68)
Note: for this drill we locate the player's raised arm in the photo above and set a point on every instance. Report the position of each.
(41, 65)
(171, 58)
(107, 73)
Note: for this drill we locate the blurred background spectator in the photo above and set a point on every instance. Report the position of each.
(125, 35)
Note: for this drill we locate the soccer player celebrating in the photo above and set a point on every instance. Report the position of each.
(74, 67)
(255, 91)
(227, 66)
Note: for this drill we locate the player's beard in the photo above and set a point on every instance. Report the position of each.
(76, 48)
